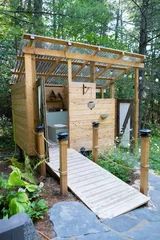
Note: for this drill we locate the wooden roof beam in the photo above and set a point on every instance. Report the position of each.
(82, 66)
(79, 70)
(59, 75)
(103, 71)
(122, 73)
(108, 67)
(40, 59)
(84, 57)
(80, 45)
(52, 69)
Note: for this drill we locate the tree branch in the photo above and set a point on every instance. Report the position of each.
(14, 17)
(140, 9)
(149, 40)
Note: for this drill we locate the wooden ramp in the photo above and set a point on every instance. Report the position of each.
(106, 195)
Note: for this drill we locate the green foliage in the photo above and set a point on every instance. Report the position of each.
(25, 167)
(154, 127)
(37, 209)
(154, 156)
(155, 153)
(6, 134)
(123, 90)
(101, 22)
(18, 203)
(18, 195)
(119, 162)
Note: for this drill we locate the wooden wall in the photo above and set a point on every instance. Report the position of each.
(23, 134)
(81, 117)
(25, 110)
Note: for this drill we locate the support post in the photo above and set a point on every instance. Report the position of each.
(63, 145)
(30, 102)
(95, 126)
(112, 89)
(136, 107)
(41, 149)
(145, 142)
(102, 92)
(69, 71)
(69, 84)
(92, 72)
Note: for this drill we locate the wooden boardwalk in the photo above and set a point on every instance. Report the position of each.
(106, 195)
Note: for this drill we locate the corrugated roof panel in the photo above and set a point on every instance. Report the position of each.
(107, 54)
(81, 50)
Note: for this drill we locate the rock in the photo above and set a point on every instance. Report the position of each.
(74, 219)
(121, 223)
(102, 236)
(97, 236)
(18, 227)
(145, 213)
(149, 231)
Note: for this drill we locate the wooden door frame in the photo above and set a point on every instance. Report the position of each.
(118, 102)
(41, 83)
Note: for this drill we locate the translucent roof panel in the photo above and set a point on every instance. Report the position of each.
(52, 63)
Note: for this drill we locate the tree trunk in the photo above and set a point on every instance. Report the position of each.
(117, 24)
(37, 19)
(142, 50)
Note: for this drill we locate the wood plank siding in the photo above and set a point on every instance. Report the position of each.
(20, 118)
(24, 108)
(81, 117)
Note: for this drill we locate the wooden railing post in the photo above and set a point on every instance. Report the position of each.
(95, 126)
(145, 143)
(41, 149)
(63, 145)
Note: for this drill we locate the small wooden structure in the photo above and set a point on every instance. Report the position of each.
(55, 83)
(61, 85)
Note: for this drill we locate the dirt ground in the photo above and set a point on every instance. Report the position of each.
(51, 193)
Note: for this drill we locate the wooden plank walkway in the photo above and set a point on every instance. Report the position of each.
(106, 195)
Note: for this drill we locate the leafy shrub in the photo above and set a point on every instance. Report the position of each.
(6, 133)
(155, 154)
(119, 162)
(18, 195)
(154, 127)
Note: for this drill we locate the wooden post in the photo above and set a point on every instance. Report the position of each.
(69, 71)
(112, 89)
(95, 126)
(41, 149)
(92, 72)
(44, 113)
(136, 107)
(102, 92)
(145, 142)
(69, 84)
(31, 106)
(63, 145)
